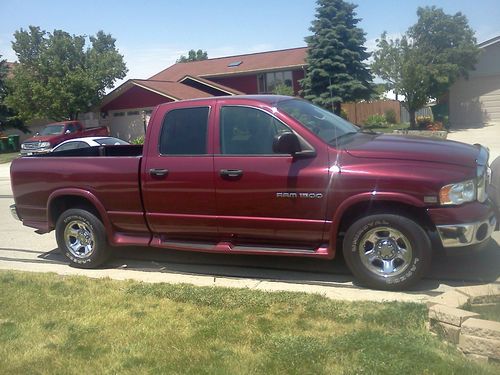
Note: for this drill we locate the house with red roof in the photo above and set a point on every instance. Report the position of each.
(126, 109)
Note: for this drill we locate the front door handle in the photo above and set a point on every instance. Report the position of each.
(155, 172)
(231, 173)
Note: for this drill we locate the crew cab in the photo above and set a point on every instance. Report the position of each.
(53, 134)
(263, 175)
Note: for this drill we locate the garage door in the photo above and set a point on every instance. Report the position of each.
(475, 102)
(128, 124)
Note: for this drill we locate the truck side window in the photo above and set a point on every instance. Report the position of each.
(248, 131)
(71, 128)
(184, 132)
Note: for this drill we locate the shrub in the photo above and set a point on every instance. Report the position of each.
(435, 126)
(390, 116)
(344, 114)
(375, 120)
(283, 89)
(423, 121)
(138, 141)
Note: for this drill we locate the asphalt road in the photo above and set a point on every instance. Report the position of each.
(22, 249)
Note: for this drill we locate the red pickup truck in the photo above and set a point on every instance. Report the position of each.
(264, 175)
(53, 134)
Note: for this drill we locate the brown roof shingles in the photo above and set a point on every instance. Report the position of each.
(174, 90)
(249, 63)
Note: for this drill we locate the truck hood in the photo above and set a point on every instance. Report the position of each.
(397, 147)
(42, 138)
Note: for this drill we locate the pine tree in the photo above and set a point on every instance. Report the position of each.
(336, 71)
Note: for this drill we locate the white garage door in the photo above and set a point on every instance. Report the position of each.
(128, 124)
(475, 102)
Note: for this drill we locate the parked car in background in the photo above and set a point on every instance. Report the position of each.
(56, 133)
(85, 142)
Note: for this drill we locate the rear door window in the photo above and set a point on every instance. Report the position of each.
(184, 132)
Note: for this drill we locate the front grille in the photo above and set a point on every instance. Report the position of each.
(31, 145)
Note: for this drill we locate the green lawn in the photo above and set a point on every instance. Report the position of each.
(51, 324)
(6, 158)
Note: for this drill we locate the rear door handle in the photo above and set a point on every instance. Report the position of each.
(155, 172)
(231, 173)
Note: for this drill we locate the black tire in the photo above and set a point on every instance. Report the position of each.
(81, 238)
(387, 251)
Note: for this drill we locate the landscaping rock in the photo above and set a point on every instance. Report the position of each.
(446, 331)
(481, 346)
(450, 315)
(477, 357)
(451, 298)
(486, 329)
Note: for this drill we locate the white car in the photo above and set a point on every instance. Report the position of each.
(73, 144)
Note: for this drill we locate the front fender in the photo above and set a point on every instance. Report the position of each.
(370, 197)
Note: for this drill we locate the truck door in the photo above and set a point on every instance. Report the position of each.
(177, 175)
(263, 197)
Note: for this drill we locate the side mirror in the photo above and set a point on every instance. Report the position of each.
(37, 133)
(286, 143)
(67, 132)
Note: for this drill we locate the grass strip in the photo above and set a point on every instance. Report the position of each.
(72, 325)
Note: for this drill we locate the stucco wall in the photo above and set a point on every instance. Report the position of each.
(475, 102)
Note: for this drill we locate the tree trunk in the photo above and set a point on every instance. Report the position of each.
(413, 123)
(337, 107)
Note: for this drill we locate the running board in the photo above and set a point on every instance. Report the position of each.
(229, 247)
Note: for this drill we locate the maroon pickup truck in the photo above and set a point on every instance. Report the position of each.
(264, 175)
(53, 134)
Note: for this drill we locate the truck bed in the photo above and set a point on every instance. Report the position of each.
(110, 173)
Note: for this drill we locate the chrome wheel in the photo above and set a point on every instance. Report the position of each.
(385, 251)
(79, 239)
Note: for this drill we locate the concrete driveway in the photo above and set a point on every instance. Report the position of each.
(22, 249)
(488, 136)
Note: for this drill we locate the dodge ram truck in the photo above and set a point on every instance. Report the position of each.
(53, 134)
(268, 175)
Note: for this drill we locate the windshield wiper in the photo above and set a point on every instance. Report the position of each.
(367, 131)
(340, 136)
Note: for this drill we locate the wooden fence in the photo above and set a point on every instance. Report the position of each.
(357, 113)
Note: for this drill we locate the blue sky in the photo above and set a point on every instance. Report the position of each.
(152, 34)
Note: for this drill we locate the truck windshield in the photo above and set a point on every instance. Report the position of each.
(324, 124)
(52, 130)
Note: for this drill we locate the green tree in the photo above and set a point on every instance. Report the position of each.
(58, 77)
(283, 89)
(401, 65)
(193, 56)
(336, 71)
(8, 117)
(428, 59)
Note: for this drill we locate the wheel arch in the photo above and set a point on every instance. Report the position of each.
(65, 199)
(363, 204)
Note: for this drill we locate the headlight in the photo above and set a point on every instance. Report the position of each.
(44, 144)
(23, 146)
(458, 193)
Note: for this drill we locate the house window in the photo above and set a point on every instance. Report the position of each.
(267, 82)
